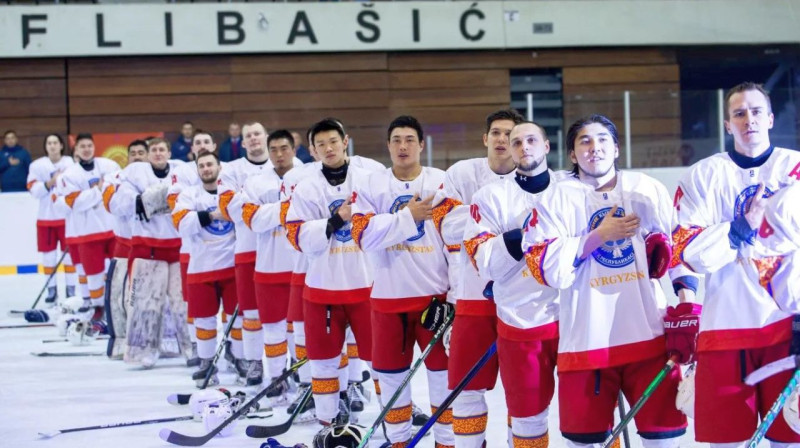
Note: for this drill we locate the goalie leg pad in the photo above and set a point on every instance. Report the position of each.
(148, 292)
(116, 314)
(178, 310)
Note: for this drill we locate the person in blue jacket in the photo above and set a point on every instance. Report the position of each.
(182, 147)
(14, 163)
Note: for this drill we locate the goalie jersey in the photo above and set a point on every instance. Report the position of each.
(90, 220)
(526, 309)
(739, 312)
(611, 311)
(406, 258)
(211, 246)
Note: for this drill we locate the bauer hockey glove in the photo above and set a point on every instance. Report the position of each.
(659, 253)
(436, 314)
(681, 325)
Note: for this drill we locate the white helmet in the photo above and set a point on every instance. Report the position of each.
(217, 412)
(791, 412)
(684, 401)
(71, 304)
(199, 400)
(80, 332)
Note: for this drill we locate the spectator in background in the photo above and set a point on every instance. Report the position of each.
(182, 147)
(301, 152)
(14, 163)
(231, 148)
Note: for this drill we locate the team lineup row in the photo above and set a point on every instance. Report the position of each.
(558, 269)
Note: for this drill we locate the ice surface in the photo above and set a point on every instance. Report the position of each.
(45, 394)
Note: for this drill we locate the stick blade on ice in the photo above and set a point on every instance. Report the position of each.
(48, 435)
(175, 438)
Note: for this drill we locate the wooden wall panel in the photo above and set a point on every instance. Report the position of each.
(304, 82)
(149, 85)
(303, 63)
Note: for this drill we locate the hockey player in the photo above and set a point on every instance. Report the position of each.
(275, 257)
(43, 177)
(474, 326)
(158, 310)
(527, 312)
(82, 190)
(392, 223)
(116, 298)
(720, 205)
(337, 282)
(592, 235)
(185, 176)
(211, 262)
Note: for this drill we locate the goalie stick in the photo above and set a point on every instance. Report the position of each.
(452, 397)
(436, 337)
(177, 438)
(220, 347)
(261, 432)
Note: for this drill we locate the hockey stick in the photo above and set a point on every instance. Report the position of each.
(621, 406)
(436, 337)
(260, 432)
(184, 440)
(774, 411)
(48, 341)
(65, 354)
(642, 400)
(452, 397)
(220, 347)
(52, 274)
(47, 435)
(6, 327)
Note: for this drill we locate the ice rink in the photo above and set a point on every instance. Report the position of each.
(45, 394)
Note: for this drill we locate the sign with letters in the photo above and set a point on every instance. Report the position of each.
(163, 29)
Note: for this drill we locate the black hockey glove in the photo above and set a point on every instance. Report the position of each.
(140, 212)
(437, 313)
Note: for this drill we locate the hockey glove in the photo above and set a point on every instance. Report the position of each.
(436, 314)
(140, 213)
(659, 253)
(681, 325)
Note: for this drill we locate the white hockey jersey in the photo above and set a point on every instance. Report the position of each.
(265, 203)
(337, 271)
(134, 180)
(738, 313)
(451, 216)
(211, 248)
(611, 311)
(406, 258)
(82, 194)
(39, 172)
(526, 309)
(122, 218)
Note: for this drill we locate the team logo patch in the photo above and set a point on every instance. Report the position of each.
(343, 234)
(218, 226)
(612, 254)
(399, 204)
(94, 181)
(745, 198)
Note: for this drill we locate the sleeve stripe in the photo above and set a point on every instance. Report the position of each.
(225, 199)
(359, 223)
(293, 233)
(248, 211)
(534, 258)
(471, 245)
(178, 216)
(70, 198)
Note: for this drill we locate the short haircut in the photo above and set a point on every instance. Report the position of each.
(10, 131)
(187, 122)
(572, 132)
(84, 136)
(541, 128)
(328, 124)
(253, 123)
(60, 140)
(279, 134)
(744, 87)
(505, 114)
(202, 132)
(137, 142)
(405, 121)
(206, 153)
(155, 141)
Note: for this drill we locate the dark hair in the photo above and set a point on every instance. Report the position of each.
(202, 132)
(60, 140)
(328, 124)
(206, 153)
(137, 142)
(279, 134)
(744, 87)
(405, 121)
(572, 133)
(504, 114)
(541, 128)
(187, 122)
(10, 131)
(84, 136)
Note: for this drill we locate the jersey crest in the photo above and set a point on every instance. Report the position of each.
(611, 254)
(745, 198)
(399, 204)
(343, 235)
(218, 226)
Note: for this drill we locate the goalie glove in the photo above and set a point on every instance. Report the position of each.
(437, 313)
(659, 253)
(153, 201)
(681, 325)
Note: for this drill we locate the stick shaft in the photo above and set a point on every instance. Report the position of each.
(228, 329)
(52, 274)
(775, 410)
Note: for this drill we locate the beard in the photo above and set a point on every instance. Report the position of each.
(529, 164)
